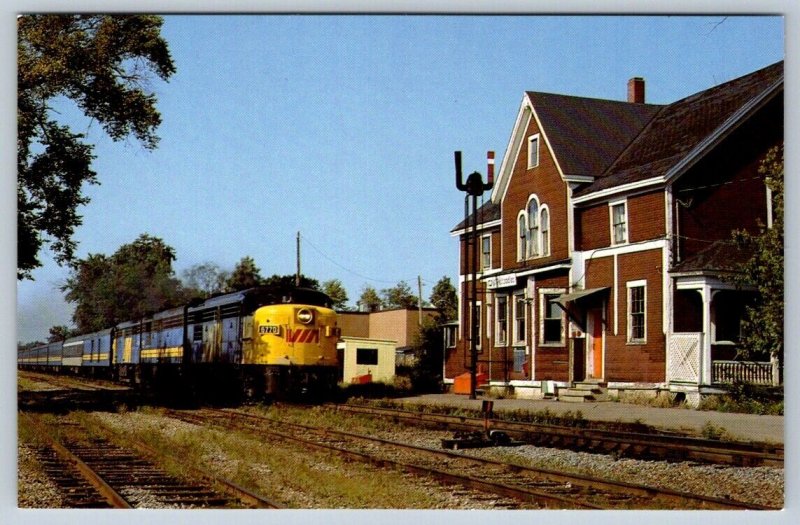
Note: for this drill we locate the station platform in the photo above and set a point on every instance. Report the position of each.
(740, 427)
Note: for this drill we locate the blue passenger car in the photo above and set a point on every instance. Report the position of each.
(165, 343)
(97, 349)
(129, 339)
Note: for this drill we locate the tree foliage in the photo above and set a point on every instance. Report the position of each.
(245, 275)
(205, 279)
(282, 282)
(369, 300)
(136, 280)
(60, 333)
(762, 327)
(335, 290)
(399, 296)
(445, 299)
(104, 64)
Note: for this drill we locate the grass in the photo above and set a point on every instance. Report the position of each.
(300, 478)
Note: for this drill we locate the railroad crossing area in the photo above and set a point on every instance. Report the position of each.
(740, 427)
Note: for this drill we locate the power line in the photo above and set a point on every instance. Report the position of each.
(349, 270)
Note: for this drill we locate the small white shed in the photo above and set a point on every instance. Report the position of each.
(363, 356)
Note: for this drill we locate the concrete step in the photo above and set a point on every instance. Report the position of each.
(585, 391)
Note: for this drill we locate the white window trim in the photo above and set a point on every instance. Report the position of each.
(543, 310)
(536, 242)
(611, 206)
(519, 341)
(522, 253)
(479, 306)
(533, 155)
(498, 343)
(489, 266)
(636, 284)
(544, 251)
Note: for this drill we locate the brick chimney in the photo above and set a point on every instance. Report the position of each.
(636, 90)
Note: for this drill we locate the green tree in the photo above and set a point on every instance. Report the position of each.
(426, 375)
(762, 327)
(136, 280)
(205, 279)
(282, 282)
(399, 296)
(445, 299)
(102, 63)
(335, 290)
(369, 300)
(60, 333)
(245, 275)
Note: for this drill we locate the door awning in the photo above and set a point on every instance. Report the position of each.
(569, 303)
(563, 299)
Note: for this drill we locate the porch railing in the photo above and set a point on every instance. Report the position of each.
(753, 372)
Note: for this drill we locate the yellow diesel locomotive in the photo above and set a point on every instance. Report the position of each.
(293, 346)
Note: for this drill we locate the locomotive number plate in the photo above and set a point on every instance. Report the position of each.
(271, 329)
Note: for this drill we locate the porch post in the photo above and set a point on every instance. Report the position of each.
(705, 352)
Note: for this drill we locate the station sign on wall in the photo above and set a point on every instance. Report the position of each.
(501, 281)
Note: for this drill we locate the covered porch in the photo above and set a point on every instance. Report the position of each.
(703, 340)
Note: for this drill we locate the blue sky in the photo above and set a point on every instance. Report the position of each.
(344, 127)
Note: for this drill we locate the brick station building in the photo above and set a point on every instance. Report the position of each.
(604, 244)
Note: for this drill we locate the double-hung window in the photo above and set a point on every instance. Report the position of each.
(522, 237)
(519, 319)
(619, 223)
(502, 321)
(533, 151)
(544, 226)
(533, 228)
(486, 252)
(637, 312)
(551, 320)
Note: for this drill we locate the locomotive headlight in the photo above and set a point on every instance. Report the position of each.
(305, 316)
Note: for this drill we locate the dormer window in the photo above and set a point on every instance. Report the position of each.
(619, 222)
(533, 151)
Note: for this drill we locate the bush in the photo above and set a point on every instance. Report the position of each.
(747, 399)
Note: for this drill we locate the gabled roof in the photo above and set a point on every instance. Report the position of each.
(487, 213)
(680, 129)
(587, 134)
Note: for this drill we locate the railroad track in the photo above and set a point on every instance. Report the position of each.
(637, 445)
(529, 487)
(95, 473)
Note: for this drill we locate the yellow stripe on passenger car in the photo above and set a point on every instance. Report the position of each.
(150, 353)
(98, 357)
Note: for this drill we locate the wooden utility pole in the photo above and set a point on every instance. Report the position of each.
(297, 275)
(419, 288)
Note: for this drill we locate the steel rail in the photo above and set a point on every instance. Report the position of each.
(104, 489)
(234, 489)
(667, 446)
(515, 492)
(618, 487)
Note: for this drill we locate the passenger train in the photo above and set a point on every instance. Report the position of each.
(258, 342)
